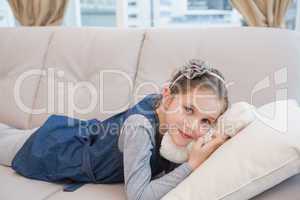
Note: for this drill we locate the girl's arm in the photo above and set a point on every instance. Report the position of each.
(138, 142)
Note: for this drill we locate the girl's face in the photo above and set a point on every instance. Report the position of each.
(189, 116)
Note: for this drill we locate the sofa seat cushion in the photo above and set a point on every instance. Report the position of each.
(93, 192)
(16, 187)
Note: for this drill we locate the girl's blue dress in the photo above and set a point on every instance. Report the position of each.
(81, 151)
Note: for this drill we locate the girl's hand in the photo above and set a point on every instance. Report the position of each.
(200, 152)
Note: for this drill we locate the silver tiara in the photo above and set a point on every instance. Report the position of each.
(197, 68)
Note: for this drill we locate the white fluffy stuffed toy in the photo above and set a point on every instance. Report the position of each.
(234, 119)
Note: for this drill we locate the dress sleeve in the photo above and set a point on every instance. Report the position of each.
(138, 143)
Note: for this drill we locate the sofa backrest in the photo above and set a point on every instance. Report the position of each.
(97, 72)
(21, 50)
(82, 72)
(99, 67)
(260, 64)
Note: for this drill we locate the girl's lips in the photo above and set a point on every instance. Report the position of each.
(184, 135)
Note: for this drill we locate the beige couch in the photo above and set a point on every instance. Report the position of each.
(114, 68)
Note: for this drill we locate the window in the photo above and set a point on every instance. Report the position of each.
(201, 13)
(98, 12)
(291, 15)
(182, 13)
(91, 13)
(153, 13)
(6, 16)
(147, 13)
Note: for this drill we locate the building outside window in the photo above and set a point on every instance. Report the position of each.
(291, 15)
(182, 13)
(98, 12)
(169, 13)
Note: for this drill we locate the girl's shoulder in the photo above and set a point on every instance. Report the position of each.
(134, 123)
(143, 112)
(136, 120)
(140, 119)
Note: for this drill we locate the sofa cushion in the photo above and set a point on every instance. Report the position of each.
(269, 58)
(287, 190)
(22, 53)
(16, 187)
(93, 70)
(93, 192)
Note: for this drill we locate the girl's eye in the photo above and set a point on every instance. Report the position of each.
(206, 121)
(189, 110)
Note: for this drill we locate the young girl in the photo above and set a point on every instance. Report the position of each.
(125, 147)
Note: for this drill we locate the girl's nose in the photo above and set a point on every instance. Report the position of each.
(193, 127)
